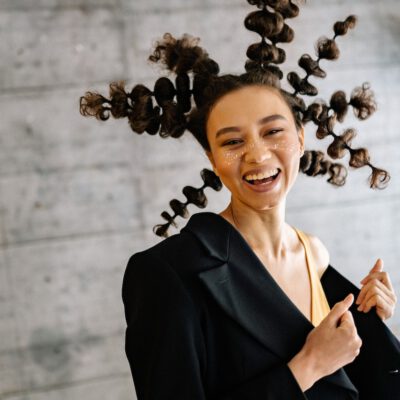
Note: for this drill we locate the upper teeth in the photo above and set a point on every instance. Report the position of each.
(261, 176)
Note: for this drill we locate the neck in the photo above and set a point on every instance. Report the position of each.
(265, 230)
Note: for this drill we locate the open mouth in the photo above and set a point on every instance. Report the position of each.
(265, 180)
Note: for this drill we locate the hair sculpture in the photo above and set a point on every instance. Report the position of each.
(197, 81)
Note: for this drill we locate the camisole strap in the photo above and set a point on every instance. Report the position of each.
(319, 304)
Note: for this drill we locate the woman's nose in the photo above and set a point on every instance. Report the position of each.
(257, 152)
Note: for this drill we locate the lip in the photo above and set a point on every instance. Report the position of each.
(258, 171)
(264, 187)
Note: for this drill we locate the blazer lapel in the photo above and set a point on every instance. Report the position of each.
(248, 293)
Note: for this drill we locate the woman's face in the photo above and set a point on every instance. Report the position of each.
(253, 129)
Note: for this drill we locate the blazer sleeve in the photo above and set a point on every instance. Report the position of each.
(165, 346)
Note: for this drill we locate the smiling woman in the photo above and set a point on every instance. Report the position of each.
(240, 304)
(242, 137)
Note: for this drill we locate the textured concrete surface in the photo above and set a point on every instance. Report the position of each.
(79, 196)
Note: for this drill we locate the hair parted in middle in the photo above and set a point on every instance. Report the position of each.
(184, 105)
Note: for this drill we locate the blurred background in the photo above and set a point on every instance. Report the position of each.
(80, 196)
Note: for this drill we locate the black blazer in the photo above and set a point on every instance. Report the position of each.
(206, 320)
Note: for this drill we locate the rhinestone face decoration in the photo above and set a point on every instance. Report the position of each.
(232, 155)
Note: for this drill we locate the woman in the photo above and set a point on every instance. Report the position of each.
(241, 305)
(239, 336)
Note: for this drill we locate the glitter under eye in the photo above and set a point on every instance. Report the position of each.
(234, 154)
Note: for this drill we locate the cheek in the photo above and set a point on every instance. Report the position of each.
(288, 146)
(289, 150)
(228, 158)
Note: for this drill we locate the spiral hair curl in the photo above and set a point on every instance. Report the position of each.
(364, 105)
(168, 109)
(194, 196)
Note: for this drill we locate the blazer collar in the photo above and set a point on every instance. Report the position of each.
(248, 293)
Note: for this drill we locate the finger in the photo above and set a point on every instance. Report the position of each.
(368, 290)
(378, 302)
(378, 267)
(383, 310)
(339, 308)
(382, 276)
(347, 319)
(371, 299)
(371, 284)
(390, 294)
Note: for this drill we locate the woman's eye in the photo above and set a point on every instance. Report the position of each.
(274, 131)
(230, 142)
(270, 132)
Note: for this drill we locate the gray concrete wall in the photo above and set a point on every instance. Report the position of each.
(78, 196)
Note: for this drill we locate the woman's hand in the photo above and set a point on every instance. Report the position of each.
(331, 345)
(377, 291)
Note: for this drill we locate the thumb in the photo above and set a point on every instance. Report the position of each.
(378, 266)
(347, 318)
(339, 308)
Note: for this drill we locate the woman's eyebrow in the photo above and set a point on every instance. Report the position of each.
(262, 121)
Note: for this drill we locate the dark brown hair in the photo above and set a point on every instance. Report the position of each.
(197, 81)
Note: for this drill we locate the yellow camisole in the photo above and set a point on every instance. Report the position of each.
(319, 304)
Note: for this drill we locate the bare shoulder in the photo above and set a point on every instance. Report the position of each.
(320, 253)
